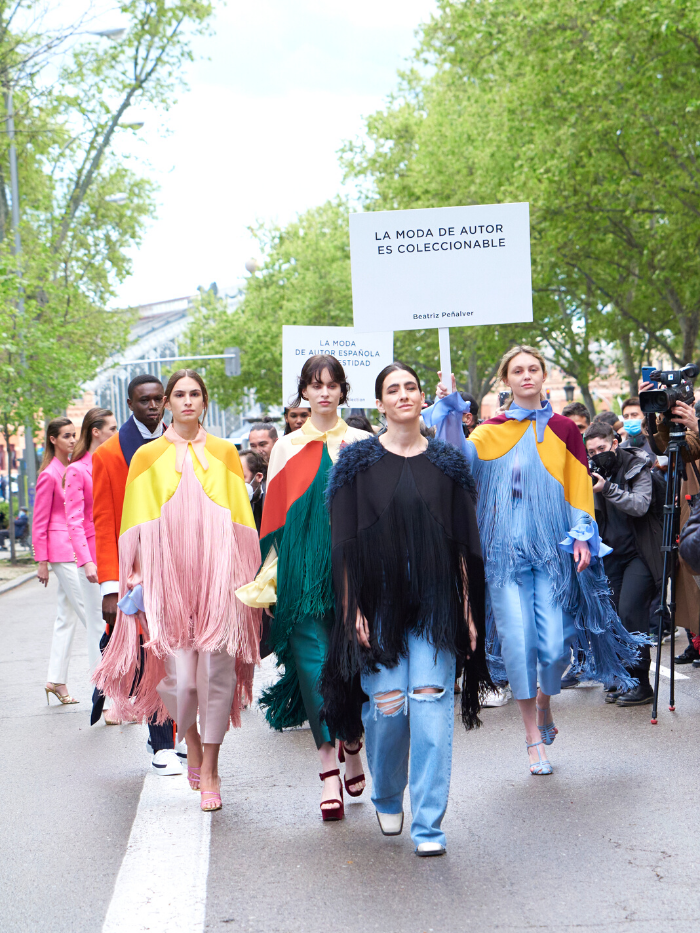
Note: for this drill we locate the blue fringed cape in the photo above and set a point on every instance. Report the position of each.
(406, 554)
(540, 457)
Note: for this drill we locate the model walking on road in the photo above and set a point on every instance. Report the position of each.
(409, 583)
(539, 536)
(98, 426)
(52, 544)
(187, 542)
(110, 469)
(296, 579)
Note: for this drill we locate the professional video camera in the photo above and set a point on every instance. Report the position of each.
(677, 387)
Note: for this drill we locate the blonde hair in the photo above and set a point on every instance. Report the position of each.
(510, 355)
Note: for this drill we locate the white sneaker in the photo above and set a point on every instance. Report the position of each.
(181, 750)
(497, 697)
(166, 762)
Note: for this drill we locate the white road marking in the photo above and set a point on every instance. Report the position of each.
(666, 672)
(162, 883)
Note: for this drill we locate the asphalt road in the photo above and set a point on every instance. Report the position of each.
(608, 843)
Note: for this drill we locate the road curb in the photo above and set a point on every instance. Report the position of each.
(18, 581)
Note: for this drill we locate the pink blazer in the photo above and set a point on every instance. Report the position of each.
(78, 498)
(49, 528)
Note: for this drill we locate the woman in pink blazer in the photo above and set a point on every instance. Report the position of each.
(99, 425)
(52, 544)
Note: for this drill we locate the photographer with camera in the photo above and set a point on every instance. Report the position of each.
(676, 407)
(623, 490)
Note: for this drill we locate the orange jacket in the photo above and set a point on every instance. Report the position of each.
(109, 474)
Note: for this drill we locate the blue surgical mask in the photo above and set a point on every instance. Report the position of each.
(633, 426)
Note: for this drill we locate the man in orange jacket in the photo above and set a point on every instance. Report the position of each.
(110, 468)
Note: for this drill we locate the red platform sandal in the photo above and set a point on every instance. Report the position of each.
(343, 750)
(332, 814)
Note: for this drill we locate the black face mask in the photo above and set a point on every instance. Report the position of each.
(606, 462)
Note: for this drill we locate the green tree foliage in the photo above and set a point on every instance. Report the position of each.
(590, 112)
(83, 207)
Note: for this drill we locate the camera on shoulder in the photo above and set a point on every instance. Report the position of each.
(675, 385)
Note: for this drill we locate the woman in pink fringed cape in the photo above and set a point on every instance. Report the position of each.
(187, 542)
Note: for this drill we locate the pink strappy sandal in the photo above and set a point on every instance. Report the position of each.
(211, 800)
(193, 776)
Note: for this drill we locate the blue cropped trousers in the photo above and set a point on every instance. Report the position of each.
(535, 634)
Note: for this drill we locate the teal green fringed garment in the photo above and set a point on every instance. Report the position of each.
(295, 578)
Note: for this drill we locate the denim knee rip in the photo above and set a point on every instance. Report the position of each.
(390, 703)
(427, 694)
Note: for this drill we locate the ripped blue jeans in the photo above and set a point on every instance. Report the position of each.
(423, 722)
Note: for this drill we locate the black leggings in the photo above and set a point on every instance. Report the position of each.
(633, 589)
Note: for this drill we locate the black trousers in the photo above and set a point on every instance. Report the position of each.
(633, 589)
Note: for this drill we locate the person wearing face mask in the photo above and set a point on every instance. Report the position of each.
(630, 521)
(254, 473)
(632, 419)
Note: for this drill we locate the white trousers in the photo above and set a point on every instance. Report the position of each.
(70, 610)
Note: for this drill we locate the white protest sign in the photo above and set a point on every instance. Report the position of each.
(441, 267)
(362, 355)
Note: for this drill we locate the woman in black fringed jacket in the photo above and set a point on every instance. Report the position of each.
(409, 582)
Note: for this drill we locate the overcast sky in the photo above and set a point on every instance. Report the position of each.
(256, 136)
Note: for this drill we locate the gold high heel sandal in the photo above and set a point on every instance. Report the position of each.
(65, 698)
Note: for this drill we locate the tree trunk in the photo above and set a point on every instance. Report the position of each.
(587, 398)
(10, 513)
(628, 362)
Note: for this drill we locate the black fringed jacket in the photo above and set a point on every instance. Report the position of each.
(406, 554)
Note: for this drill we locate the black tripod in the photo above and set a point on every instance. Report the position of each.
(675, 474)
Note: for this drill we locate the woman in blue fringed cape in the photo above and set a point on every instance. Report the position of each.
(547, 591)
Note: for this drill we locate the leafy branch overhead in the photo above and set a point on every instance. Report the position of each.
(83, 207)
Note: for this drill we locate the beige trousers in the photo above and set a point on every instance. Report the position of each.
(204, 681)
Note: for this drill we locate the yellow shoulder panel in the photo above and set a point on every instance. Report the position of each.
(495, 440)
(568, 470)
(149, 489)
(226, 487)
(146, 456)
(226, 452)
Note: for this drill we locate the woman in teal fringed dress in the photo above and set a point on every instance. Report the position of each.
(296, 577)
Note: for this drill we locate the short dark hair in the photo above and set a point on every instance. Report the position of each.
(359, 421)
(142, 380)
(629, 401)
(609, 417)
(576, 408)
(472, 402)
(256, 464)
(394, 367)
(313, 369)
(600, 429)
(264, 426)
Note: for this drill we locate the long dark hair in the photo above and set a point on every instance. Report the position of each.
(192, 374)
(395, 367)
(53, 429)
(313, 369)
(95, 418)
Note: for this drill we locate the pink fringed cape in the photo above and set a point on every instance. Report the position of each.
(190, 561)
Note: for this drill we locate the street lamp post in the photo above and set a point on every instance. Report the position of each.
(569, 392)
